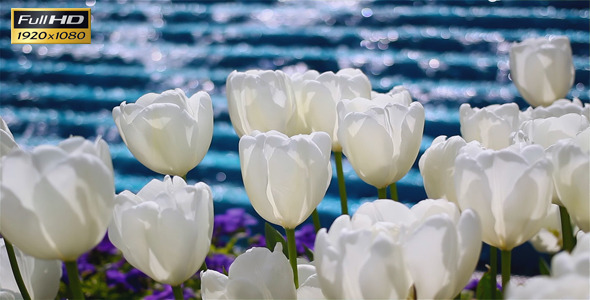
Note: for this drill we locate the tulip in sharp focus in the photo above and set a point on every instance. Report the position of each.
(510, 189)
(165, 230)
(41, 277)
(318, 94)
(261, 100)
(542, 69)
(571, 160)
(168, 133)
(285, 177)
(386, 248)
(56, 201)
(493, 125)
(380, 139)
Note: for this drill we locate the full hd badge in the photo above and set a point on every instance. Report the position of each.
(50, 26)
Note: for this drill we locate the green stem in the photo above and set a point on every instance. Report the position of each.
(16, 271)
(315, 216)
(382, 193)
(506, 257)
(493, 269)
(292, 254)
(569, 242)
(393, 190)
(341, 183)
(74, 277)
(177, 290)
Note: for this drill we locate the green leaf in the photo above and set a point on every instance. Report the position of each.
(544, 267)
(308, 253)
(272, 237)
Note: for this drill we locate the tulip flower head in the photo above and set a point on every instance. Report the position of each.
(380, 137)
(56, 201)
(318, 94)
(510, 189)
(261, 100)
(570, 277)
(256, 274)
(493, 126)
(542, 69)
(285, 177)
(571, 160)
(386, 248)
(168, 133)
(165, 230)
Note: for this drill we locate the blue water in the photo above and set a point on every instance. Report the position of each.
(445, 53)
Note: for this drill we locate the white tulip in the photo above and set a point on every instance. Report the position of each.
(261, 100)
(56, 201)
(165, 230)
(285, 177)
(381, 140)
(493, 125)
(256, 274)
(556, 109)
(570, 277)
(510, 189)
(7, 142)
(41, 277)
(360, 261)
(437, 166)
(542, 69)
(386, 248)
(549, 131)
(168, 133)
(550, 238)
(318, 94)
(571, 160)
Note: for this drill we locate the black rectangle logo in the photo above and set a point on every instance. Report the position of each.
(51, 19)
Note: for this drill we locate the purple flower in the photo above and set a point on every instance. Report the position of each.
(105, 246)
(85, 267)
(219, 262)
(232, 221)
(167, 293)
(305, 236)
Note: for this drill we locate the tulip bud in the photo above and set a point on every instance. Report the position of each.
(542, 69)
(381, 139)
(165, 230)
(510, 189)
(318, 94)
(571, 160)
(437, 166)
(56, 201)
(285, 178)
(493, 126)
(168, 133)
(261, 100)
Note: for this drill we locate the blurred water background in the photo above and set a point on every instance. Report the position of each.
(445, 52)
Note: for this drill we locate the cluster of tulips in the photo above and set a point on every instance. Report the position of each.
(513, 176)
